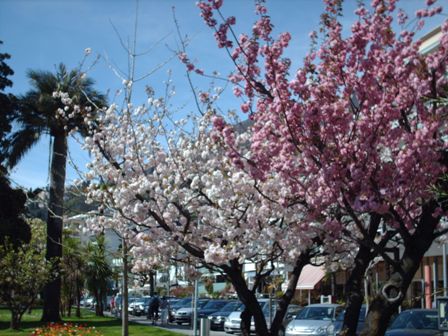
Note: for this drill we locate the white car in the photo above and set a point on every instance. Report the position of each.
(313, 320)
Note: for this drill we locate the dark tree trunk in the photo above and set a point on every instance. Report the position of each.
(416, 245)
(98, 306)
(252, 307)
(285, 300)
(15, 320)
(52, 291)
(354, 285)
(248, 298)
(69, 307)
(152, 290)
(353, 289)
(78, 299)
(245, 322)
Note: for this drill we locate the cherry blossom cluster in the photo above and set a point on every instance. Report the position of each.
(70, 111)
(174, 193)
(357, 127)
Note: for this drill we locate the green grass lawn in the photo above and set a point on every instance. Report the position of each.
(106, 325)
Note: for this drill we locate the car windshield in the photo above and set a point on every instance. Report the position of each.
(201, 304)
(183, 303)
(266, 308)
(416, 319)
(316, 313)
(215, 304)
(231, 306)
(240, 308)
(362, 315)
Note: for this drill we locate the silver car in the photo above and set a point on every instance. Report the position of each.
(184, 315)
(232, 324)
(313, 320)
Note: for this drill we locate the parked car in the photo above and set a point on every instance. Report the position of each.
(131, 303)
(88, 302)
(313, 320)
(415, 322)
(184, 315)
(211, 307)
(291, 313)
(140, 306)
(232, 324)
(335, 328)
(181, 303)
(217, 319)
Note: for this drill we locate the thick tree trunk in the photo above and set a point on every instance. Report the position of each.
(246, 318)
(78, 300)
(353, 288)
(52, 291)
(381, 309)
(15, 320)
(99, 305)
(386, 303)
(253, 309)
(285, 300)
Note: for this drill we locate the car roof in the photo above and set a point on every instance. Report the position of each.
(325, 305)
(419, 310)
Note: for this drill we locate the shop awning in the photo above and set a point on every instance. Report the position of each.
(310, 277)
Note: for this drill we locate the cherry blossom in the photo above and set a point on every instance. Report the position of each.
(356, 132)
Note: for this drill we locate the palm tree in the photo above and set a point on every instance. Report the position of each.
(38, 116)
(98, 272)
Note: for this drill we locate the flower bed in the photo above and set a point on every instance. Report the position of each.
(65, 329)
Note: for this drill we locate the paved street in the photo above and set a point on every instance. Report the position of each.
(182, 329)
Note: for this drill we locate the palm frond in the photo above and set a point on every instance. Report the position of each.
(21, 142)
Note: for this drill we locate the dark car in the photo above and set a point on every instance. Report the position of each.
(415, 322)
(211, 307)
(217, 319)
(335, 328)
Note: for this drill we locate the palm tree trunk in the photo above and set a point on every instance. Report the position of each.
(52, 291)
(78, 299)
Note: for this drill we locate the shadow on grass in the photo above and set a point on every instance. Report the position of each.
(23, 325)
(88, 319)
(105, 325)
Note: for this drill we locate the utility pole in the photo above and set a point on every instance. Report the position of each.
(195, 307)
(124, 306)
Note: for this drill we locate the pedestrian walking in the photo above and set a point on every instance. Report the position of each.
(112, 304)
(153, 311)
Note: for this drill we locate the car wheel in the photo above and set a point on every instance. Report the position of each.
(179, 323)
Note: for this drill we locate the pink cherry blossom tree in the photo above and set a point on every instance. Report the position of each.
(356, 133)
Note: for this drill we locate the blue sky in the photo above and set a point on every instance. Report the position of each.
(42, 33)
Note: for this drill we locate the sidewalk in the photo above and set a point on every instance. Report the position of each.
(181, 329)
